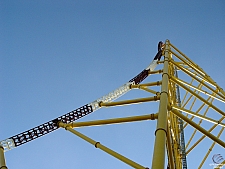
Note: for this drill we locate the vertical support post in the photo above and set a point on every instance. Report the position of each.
(2, 158)
(158, 161)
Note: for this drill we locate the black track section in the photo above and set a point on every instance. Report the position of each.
(50, 126)
(140, 77)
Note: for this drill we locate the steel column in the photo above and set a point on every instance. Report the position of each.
(2, 159)
(158, 161)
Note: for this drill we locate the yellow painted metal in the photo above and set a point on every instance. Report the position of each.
(208, 77)
(175, 140)
(113, 121)
(187, 101)
(194, 76)
(2, 159)
(186, 93)
(199, 123)
(221, 165)
(188, 64)
(102, 147)
(172, 132)
(158, 161)
(192, 105)
(155, 72)
(199, 97)
(204, 92)
(202, 130)
(199, 116)
(200, 108)
(183, 55)
(168, 130)
(157, 83)
(170, 151)
(199, 140)
(210, 149)
(126, 102)
(197, 78)
(148, 90)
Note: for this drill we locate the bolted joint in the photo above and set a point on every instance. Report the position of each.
(96, 144)
(165, 74)
(156, 97)
(3, 167)
(100, 103)
(160, 129)
(63, 125)
(153, 116)
(164, 92)
(158, 93)
(159, 83)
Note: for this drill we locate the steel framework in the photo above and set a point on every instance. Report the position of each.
(189, 112)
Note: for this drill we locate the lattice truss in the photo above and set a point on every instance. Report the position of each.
(196, 99)
(194, 108)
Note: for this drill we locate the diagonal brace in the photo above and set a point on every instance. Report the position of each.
(193, 124)
(102, 147)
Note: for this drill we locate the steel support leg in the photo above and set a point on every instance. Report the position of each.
(158, 161)
(2, 159)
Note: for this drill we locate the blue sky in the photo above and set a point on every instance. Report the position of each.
(56, 56)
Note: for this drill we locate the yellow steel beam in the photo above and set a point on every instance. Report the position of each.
(210, 149)
(155, 72)
(148, 90)
(198, 115)
(200, 108)
(199, 140)
(160, 62)
(181, 63)
(158, 161)
(176, 140)
(186, 93)
(157, 83)
(102, 147)
(221, 165)
(2, 159)
(199, 123)
(113, 121)
(183, 55)
(202, 130)
(127, 102)
(170, 151)
(192, 67)
(199, 86)
(194, 76)
(192, 105)
(199, 97)
(202, 91)
(183, 105)
(208, 77)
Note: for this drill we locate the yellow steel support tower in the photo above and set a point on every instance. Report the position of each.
(190, 115)
(197, 95)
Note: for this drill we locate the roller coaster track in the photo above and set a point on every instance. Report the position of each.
(76, 114)
(184, 103)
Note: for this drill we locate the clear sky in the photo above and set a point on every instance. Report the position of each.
(56, 56)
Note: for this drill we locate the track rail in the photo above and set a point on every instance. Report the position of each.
(76, 114)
